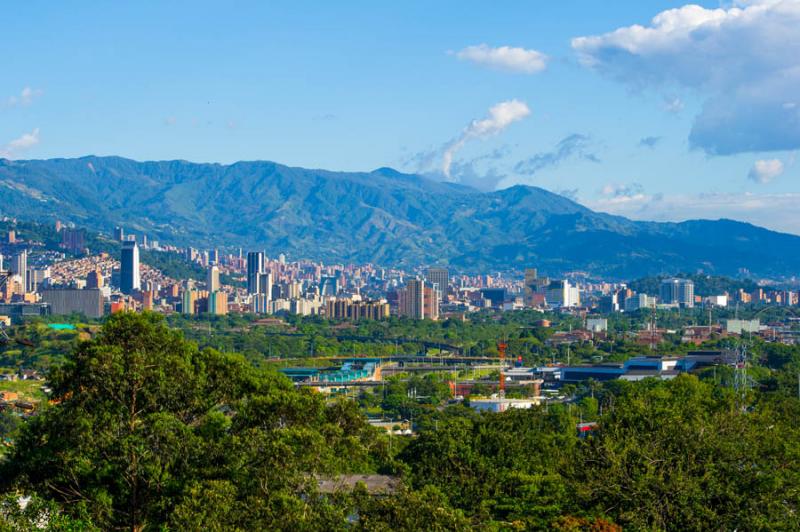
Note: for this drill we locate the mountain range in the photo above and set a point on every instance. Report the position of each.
(384, 216)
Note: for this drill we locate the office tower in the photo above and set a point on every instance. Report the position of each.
(530, 287)
(19, 266)
(255, 267)
(37, 277)
(329, 286)
(677, 291)
(189, 301)
(130, 279)
(212, 282)
(95, 279)
(12, 237)
(282, 258)
(411, 299)
(218, 303)
(214, 256)
(265, 284)
(561, 294)
(73, 240)
(439, 278)
(119, 234)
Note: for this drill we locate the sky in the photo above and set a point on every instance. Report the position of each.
(653, 110)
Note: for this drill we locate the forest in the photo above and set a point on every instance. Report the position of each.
(147, 431)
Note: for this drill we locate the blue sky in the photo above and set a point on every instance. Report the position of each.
(690, 115)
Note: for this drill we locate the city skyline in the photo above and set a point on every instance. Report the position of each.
(603, 107)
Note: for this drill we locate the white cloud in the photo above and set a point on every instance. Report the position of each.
(505, 58)
(773, 211)
(745, 60)
(499, 118)
(765, 170)
(25, 97)
(25, 142)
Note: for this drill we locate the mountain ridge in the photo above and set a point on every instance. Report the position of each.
(382, 216)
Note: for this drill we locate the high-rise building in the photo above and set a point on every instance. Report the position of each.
(37, 277)
(410, 300)
(329, 286)
(95, 279)
(119, 234)
(217, 303)
(530, 286)
(677, 291)
(212, 282)
(130, 277)
(265, 284)
(255, 267)
(639, 301)
(418, 301)
(562, 294)
(73, 240)
(439, 278)
(189, 301)
(12, 237)
(19, 266)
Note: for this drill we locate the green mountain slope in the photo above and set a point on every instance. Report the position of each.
(382, 216)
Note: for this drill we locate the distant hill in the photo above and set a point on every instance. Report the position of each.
(383, 216)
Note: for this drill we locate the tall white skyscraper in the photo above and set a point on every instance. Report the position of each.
(130, 277)
(212, 283)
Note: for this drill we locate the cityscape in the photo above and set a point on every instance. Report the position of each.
(444, 266)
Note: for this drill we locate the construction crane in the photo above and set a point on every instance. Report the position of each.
(501, 349)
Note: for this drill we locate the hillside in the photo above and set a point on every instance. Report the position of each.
(382, 216)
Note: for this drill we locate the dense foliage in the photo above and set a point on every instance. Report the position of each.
(149, 432)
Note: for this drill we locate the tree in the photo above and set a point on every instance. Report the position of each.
(143, 418)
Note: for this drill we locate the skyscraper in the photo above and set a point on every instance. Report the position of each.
(212, 282)
(130, 279)
(265, 284)
(119, 234)
(677, 291)
(439, 277)
(411, 299)
(19, 266)
(530, 286)
(255, 267)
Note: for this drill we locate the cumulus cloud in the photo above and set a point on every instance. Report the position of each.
(25, 142)
(499, 118)
(575, 145)
(745, 60)
(505, 58)
(24, 98)
(649, 142)
(765, 170)
(774, 211)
